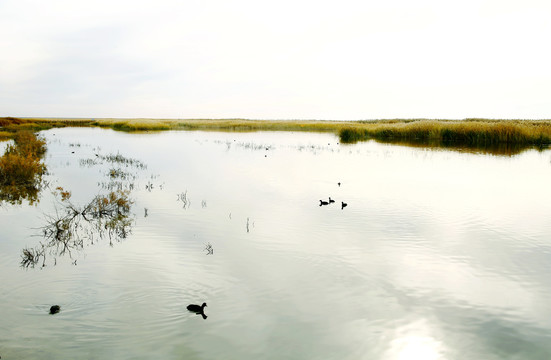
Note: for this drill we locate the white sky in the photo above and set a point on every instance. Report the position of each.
(285, 59)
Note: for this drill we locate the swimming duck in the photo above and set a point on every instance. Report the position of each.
(54, 309)
(323, 203)
(199, 310)
(196, 308)
(343, 205)
(331, 200)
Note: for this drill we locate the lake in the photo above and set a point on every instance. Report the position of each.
(439, 254)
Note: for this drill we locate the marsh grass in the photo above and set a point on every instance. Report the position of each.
(12, 125)
(262, 125)
(5, 135)
(474, 133)
(241, 125)
(135, 124)
(470, 132)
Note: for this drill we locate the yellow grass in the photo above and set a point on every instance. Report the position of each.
(473, 132)
(21, 168)
(219, 124)
(5, 135)
(469, 132)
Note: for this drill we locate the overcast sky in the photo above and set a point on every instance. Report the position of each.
(285, 59)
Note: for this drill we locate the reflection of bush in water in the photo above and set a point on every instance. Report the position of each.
(21, 169)
(69, 230)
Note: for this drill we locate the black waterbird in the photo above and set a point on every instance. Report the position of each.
(323, 203)
(331, 200)
(343, 205)
(54, 309)
(199, 310)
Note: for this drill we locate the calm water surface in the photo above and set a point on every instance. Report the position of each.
(438, 255)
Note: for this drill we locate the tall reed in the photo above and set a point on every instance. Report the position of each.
(469, 132)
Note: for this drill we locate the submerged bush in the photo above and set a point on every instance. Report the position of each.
(21, 169)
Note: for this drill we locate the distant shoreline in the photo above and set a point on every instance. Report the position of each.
(472, 133)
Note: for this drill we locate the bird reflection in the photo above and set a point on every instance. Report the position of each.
(199, 310)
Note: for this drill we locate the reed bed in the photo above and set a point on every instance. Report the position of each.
(470, 132)
(135, 124)
(9, 126)
(219, 125)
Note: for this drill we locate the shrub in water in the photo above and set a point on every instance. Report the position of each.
(21, 169)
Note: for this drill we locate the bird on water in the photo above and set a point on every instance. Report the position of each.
(331, 200)
(323, 203)
(54, 309)
(199, 310)
(343, 205)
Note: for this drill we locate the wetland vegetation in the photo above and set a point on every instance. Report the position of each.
(107, 215)
(478, 134)
(21, 168)
(434, 250)
(72, 227)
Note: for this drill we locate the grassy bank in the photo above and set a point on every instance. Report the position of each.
(9, 126)
(475, 133)
(219, 125)
(470, 132)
